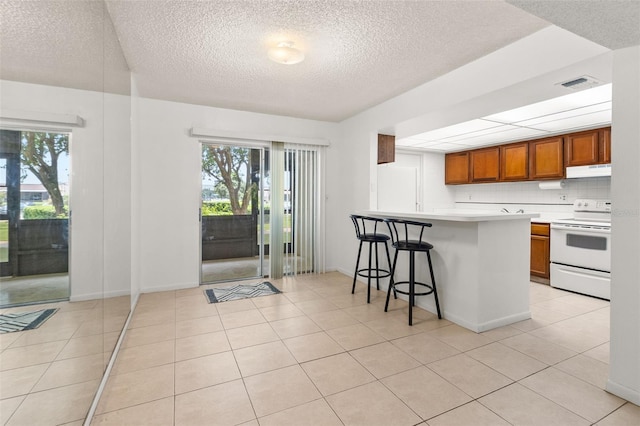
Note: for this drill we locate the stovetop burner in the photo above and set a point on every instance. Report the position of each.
(589, 212)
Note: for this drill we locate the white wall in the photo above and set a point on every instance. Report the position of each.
(117, 195)
(167, 168)
(86, 196)
(91, 161)
(624, 376)
(529, 197)
(135, 195)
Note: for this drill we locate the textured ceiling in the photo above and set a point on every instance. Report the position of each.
(358, 54)
(612, 23)
(61, 43)
(214, 52)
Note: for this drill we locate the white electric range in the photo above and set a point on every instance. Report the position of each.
(581, 249)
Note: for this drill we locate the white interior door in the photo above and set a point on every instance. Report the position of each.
(397, 188)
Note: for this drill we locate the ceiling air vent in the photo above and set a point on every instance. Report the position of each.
(580, 83)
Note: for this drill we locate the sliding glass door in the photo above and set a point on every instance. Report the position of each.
(234, 212)
(34, 217)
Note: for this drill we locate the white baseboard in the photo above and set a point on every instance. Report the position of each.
(631, 395)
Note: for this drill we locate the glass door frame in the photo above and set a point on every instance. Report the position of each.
(12, 215)
(263, 147)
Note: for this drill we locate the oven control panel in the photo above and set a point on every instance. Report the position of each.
(591, 205)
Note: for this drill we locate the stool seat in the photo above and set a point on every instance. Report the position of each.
(374, 238)
(367, 232)
(403, 234)
(413, 245)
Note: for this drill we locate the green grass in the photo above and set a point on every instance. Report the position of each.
(4, 230)
(4, 236)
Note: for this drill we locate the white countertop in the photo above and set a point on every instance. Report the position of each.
(455, 215)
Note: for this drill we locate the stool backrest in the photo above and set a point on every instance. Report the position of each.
(403, 231)
(365, 224)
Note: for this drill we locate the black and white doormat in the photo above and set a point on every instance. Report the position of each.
(20, 321)
(240, 291)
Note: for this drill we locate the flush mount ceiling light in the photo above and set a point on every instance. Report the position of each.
(285, 53)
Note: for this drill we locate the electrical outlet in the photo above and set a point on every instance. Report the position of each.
(563, 197)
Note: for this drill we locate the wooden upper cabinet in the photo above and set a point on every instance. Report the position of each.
(386, 149)
(546, 159)
(582, 149)
(590, 147)
(456, 168)
(485, 164)
(604, 154)
(514, 161)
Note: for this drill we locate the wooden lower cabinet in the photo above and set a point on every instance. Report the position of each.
(540, 251)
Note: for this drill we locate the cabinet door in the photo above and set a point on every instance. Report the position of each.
(581, 149)
(485, 165)
(605, 146)
(540, 256)
(546, 159)
(386, 149)
(456, 168)
(514, 161)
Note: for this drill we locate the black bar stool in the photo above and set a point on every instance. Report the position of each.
(403, 233)
(367, 232)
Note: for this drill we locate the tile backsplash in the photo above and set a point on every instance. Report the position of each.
(528, 195)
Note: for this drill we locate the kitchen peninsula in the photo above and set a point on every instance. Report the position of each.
(481, 265)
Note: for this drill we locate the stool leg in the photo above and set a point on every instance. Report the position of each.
(377, 269)
(355, 274)
(386, 247)
(391, 285)
(433, 281)
(369, 274)
(412, 277)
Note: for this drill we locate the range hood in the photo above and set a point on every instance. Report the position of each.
(595, 170)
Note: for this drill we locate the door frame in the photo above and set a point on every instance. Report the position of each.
(262, 146)
(12, 216)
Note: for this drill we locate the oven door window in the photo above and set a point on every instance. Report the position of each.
(588, 242)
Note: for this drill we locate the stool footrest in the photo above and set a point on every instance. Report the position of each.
(369, 273)
(430, 287)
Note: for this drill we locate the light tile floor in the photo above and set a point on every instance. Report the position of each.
(50, 375)
(317, 355)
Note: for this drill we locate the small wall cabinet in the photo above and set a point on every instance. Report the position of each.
(581, 149)
(546, 159)
(540, 252)
(386, 149)
(456, 168)
(485, 165)
(514, 162)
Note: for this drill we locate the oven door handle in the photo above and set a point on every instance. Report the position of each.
(576, 229)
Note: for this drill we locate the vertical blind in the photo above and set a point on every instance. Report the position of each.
(296, 200)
